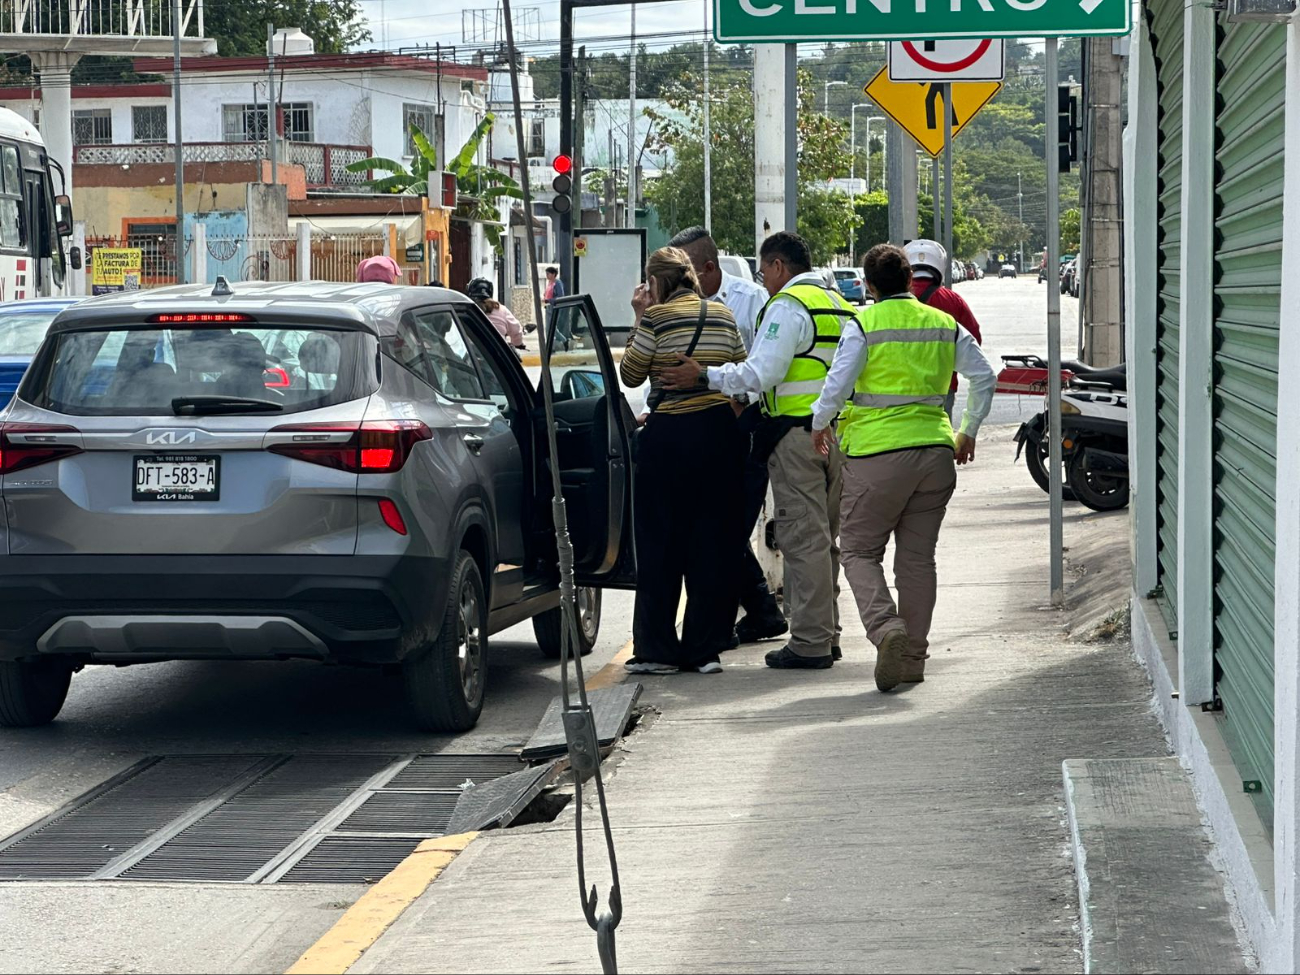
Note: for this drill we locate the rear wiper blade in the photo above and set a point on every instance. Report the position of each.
(210, 405)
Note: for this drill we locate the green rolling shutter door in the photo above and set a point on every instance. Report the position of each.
(1167, 27)
(1250, 131)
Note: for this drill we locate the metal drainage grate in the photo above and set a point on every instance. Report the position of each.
(340, 818)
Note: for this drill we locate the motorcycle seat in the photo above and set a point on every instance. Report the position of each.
(1115, 377)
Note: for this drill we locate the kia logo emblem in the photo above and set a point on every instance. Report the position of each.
(171, 438)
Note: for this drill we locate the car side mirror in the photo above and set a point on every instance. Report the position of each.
(74, 258)
(582, 384)
(63, 214)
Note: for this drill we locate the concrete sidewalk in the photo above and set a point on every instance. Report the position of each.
(800, 821)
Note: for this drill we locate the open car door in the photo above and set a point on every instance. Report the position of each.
(594, 425)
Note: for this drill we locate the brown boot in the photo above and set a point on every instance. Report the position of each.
(913, 670)
(889, 660)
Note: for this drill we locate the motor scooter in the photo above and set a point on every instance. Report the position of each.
(1094, 434)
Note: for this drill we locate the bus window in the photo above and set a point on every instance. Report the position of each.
(12, 225)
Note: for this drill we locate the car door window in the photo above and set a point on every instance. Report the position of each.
(575, 367)
(429, 343)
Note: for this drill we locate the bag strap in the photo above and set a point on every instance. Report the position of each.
(928, 293)
(699, 327)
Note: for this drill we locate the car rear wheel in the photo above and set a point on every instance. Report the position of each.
(32, 693)
(549, 626)
(446, 680)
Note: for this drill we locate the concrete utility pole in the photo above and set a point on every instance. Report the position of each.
(579, 132)
(272, 103)
(1055, 533)
(631, 129)
(708, 147)
(791, 137)
(178, 143)
(769, 141)
(900, 167)
(1100, 264)
(1020, 244)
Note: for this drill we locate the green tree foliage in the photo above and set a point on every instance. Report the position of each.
(1070, 231)
(240, 28)
(479, 187)
(826, 219)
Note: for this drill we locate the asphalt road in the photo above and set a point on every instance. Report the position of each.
(114, 717)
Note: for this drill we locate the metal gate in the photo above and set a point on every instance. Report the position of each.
(1166, 18)
(1249, 141)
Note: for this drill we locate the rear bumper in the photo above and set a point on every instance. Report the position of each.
(133, 609)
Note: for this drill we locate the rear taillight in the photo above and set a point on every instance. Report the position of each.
(373, 447)
(24, 445)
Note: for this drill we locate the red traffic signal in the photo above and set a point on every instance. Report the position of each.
(562, 164)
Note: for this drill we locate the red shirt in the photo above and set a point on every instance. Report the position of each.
(947, 300)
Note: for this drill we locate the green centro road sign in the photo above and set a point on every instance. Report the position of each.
(788, 21)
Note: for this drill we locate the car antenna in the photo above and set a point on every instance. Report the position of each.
(222, 288)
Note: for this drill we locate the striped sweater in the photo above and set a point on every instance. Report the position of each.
(667, 329)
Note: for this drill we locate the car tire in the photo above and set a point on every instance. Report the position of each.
(549, 626)
(32, 693)
(446, 680)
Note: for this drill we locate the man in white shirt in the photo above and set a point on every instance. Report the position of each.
(763, 618)
(795, 341)
(892, 370)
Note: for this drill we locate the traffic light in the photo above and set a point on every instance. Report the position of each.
(1067, 111)
(562, 184)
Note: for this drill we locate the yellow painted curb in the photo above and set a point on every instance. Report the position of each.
(363, 923)
(586, 358)
(367, 919)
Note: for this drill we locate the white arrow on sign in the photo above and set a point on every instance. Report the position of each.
(945, 61)
(1090, 5)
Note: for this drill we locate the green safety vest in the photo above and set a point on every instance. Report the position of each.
(898, 399)
(798, 391)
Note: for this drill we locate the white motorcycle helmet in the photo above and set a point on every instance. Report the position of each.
(927, 255)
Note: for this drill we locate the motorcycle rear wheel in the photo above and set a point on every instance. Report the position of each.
(1036, 461)
(1095, 489)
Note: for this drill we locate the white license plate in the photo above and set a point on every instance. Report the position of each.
(177, 477)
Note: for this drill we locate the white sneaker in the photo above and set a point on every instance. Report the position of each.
(712, 667)
(638, 666)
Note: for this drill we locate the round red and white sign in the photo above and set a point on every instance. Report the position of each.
(956, 60)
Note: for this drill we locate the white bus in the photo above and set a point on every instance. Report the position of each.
(33, 220)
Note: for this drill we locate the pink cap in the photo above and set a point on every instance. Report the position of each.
(380, 268)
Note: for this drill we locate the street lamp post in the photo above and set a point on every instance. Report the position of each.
(1020, 195)
(826, 95)
(853, 141)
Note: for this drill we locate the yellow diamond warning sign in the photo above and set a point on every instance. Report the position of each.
(918, 106)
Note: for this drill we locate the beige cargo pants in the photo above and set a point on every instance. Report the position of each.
(806, 491)
(905, 494)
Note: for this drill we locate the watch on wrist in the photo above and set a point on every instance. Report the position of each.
(704, 376)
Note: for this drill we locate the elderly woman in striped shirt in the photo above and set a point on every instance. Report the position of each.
(689, 475)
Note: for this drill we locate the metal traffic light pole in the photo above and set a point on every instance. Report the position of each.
(1056, 554)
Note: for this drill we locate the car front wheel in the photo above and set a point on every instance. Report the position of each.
(549, 626)
(32, 693)
(445, 681)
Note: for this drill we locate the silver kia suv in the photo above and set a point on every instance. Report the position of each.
(346, 473)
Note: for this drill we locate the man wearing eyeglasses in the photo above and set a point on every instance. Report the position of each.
(794, 344)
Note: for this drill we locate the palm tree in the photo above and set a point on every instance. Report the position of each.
(481, 186)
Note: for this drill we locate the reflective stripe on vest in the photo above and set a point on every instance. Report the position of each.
(898, 399)
(798, 391)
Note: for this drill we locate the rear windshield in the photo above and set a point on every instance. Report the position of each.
(846, 275)
(139, 371)
(21, 333)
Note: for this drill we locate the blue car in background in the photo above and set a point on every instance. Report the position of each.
(851, 286)
(23, 325)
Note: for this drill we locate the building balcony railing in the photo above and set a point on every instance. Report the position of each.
(325, 165)
(100, 18)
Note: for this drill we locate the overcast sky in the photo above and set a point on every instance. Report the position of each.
(410, 22)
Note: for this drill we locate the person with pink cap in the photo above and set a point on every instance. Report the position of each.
(382, 269)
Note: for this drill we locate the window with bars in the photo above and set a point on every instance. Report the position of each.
(248, 123)
(157, 243)
(426, 120)
(149, 123)
(92, 127)
(536, 136)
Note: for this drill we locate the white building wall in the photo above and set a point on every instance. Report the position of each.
(1263, 870)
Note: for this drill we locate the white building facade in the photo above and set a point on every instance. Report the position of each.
(1212, 224)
